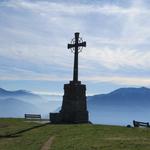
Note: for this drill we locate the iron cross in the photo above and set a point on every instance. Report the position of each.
(76, 46)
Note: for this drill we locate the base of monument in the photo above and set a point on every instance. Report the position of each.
(57, 118)
(74, 107)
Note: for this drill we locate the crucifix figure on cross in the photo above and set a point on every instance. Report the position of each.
(76, 47)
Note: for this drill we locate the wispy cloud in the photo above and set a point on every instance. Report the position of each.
(28, 75)
(44, 7)
(120, 80)
(115, 59)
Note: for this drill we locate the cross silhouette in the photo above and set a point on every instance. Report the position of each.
(76, 44)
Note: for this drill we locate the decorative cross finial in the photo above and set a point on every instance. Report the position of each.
(76, 47)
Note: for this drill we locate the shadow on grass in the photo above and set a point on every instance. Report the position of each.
(16, 134)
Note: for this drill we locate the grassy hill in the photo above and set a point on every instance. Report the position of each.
(16, 134)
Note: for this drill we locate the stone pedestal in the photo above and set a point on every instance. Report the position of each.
(74, 107)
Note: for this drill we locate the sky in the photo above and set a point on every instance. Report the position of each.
(34, 35)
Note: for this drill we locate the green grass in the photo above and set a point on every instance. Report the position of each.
(72, 137)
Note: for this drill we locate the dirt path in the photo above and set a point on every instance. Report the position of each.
(47, 144)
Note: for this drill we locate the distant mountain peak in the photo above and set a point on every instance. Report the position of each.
(125, 96)
(4, 92)
(130, 89)
(1, 89)
(145, 88)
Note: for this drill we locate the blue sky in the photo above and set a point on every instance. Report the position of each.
(34, 36)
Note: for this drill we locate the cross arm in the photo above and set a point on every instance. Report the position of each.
(82, 44)
(71, 45)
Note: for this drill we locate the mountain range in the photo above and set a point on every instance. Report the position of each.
(17, 103)
(123, 97)
(118, 107)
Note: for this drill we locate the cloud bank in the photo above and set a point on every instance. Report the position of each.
(34, 35)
